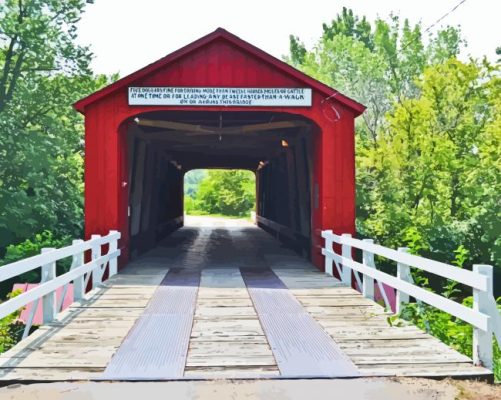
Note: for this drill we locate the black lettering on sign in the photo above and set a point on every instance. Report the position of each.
(231, 96)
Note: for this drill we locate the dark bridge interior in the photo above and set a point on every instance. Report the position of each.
(163, 146)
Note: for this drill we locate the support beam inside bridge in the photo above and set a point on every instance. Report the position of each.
(164, 145)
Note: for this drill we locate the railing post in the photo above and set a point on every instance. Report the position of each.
(328, 260)
(78, 283)
(346, 253)
(368, 283)
(403, 273)
(482, 340)
(96, 272)
(49, 300)
(113, 262)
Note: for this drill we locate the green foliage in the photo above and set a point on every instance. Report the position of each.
(451, 290)
(10, 327)
(224, 192)
(448, 329)
(348, 24)
(42, 73)
(28, 248)
(435, 150)
(41, 137)
(39, 37)
(297, 50)
(192, 180)
(189, 205)
(427, 148)
(33, 246)
(428, 165)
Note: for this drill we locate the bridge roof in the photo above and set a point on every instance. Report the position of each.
(218, 34)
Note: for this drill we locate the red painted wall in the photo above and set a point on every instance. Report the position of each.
(219, 63)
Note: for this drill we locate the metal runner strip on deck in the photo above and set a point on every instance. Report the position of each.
(157, 345)
(300, 346)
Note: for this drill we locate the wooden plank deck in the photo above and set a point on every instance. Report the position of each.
(227, 339)
(361, 329)
(81, 342)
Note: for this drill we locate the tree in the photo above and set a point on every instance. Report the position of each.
(427, 149)
(42, 73)
(227, 192)
(40, 39)
(437, 163)
(192, 181)
(428, 145)
(350, 25)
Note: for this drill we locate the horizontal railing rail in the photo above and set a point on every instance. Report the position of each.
(484, 316)
(79, 273)
(28, 264)
(279, 230)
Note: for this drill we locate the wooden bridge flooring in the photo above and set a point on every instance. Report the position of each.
(227, 339)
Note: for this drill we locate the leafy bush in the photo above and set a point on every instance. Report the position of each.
(43, 71)
(28, 248)
(11, 329)
(33, 246)
(223, 192)
(189, 205)
(192, 181)
(449, 329)
(427, 147)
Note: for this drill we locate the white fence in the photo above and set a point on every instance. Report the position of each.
(484, 316)
(79, 273)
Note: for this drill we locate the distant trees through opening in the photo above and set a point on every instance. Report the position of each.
(220, 192)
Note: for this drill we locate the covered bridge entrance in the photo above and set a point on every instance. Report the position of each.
(219, 103)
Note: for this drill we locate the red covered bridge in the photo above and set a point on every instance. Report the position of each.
(226, 299)
(219, 103)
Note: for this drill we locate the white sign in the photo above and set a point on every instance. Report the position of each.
(219, 96)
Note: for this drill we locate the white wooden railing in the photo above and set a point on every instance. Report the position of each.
(484, 316)
(79, 273)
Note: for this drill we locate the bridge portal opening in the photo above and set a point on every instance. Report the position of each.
(219, 102)
(223, 193)
(165, 145)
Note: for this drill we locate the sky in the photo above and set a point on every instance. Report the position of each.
(126, 35)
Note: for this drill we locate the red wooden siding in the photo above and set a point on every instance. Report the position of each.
(218, 60)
